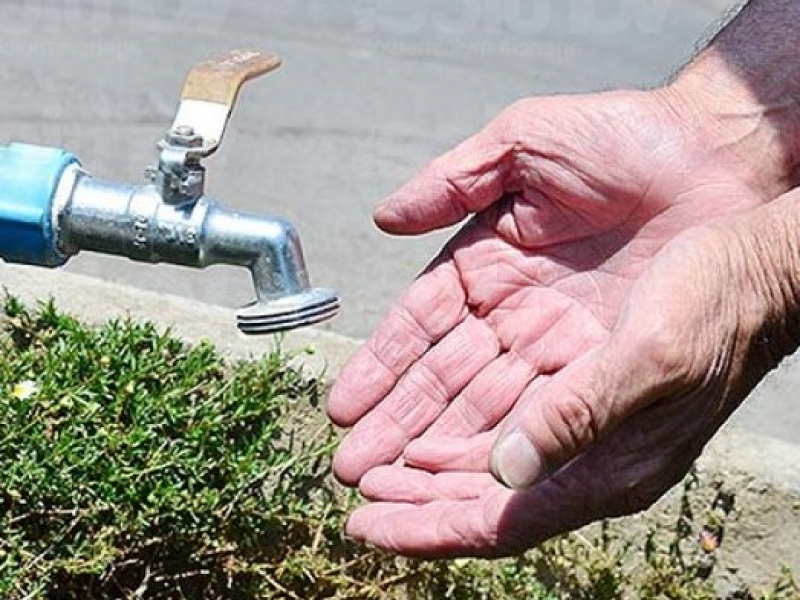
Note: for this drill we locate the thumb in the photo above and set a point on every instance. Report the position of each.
(466, 180)
(577, 407)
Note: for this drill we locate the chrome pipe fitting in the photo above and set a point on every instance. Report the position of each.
(136, 222)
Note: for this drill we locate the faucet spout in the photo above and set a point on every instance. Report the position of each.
(270, 247)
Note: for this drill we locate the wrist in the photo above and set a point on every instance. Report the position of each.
(745, 87)
(769, 243)
(757, 132)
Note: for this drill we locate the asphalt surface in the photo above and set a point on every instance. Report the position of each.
(370, 90)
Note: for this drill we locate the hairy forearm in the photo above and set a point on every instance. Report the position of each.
(746, 83)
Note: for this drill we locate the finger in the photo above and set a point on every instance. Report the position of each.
(577, 407)
(432, 530)
(403, 484)
(467, 179)
(433, 305)
(463, 454)
(417, 399)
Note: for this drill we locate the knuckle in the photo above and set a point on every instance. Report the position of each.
(513, 120)
(573, 420)
(659, 345)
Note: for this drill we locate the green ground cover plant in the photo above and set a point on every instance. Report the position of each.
(135, 466)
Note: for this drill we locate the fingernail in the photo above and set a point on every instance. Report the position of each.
(515, 462)
(352, 530)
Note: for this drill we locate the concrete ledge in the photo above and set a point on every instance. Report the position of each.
(764, 472)
(762, 532)
(94, 301)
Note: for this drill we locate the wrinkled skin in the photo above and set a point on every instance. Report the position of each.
(556, 312)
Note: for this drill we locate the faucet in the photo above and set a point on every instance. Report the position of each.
(51, 208)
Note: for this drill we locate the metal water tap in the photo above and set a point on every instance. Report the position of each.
(51, 208)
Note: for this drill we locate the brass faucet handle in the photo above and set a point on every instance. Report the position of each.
(219, 80)
(210, 93)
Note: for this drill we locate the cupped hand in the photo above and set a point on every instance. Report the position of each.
(572, 198)
(714, 311)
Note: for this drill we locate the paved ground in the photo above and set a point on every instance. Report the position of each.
(370, 90)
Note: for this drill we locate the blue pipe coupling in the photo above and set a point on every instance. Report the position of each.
(29, 179)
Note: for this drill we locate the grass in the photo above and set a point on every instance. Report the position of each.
(136, 466)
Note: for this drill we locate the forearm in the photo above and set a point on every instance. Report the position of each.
(746, 86)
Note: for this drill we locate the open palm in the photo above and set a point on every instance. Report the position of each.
(572, 198)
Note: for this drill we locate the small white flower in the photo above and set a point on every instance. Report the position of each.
(25, 389)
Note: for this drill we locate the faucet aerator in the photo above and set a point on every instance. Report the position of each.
(288, 312)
